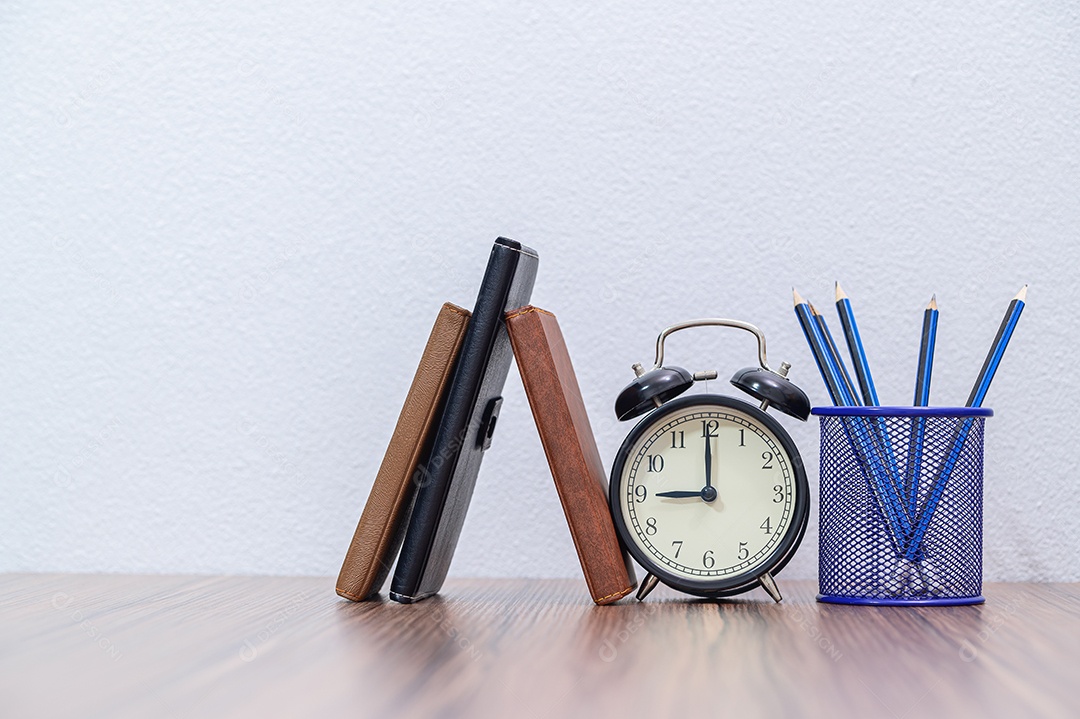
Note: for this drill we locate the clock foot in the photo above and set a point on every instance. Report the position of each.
(769, 585)
(647, 585)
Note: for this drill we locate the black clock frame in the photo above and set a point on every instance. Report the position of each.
(731, 585)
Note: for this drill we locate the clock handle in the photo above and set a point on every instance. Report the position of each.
(713, 322)
(769, 585)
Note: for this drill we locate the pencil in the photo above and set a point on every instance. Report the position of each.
(926, 354)
(978, 394)
(855, 348)
(867, 389)
(922, 399)
(877, 435)
(997, 349)
(848, 389)
(862, 444)
(817, 348)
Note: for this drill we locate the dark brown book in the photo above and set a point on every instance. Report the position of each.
(382, 525)
(567, 436)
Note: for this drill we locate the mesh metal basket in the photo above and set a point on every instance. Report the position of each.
(901, 505)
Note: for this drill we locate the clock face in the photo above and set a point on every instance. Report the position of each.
(710, 491)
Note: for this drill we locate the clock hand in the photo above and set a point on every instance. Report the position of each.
(678, 494)
(708, 460)
(708, 492)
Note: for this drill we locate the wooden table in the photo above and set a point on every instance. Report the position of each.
(153, 646)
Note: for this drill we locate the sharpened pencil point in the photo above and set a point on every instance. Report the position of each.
(1022, 294)
(933, 303)
(813, 310)
(798, 298)
(840, 294)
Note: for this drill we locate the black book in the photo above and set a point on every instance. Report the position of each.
(445, 484)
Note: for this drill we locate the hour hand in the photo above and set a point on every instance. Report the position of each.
(679, 494)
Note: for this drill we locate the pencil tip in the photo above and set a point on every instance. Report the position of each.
(840, 294)
(933, 303)
(813, 310)
(1022, 294)
(797, 297)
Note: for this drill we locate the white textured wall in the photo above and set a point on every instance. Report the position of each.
(226, 230)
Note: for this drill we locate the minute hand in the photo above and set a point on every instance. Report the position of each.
(708, 492)
(708, 460)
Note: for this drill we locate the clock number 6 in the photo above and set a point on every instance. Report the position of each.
(708, 560)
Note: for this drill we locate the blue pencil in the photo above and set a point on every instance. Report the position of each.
(926, 354)
(851, 397)
(922, 399)
(866, 386)
(997, 350)
(817, 348)
(880, 434)
(978, 394)
(855, 347)
(879, 446)
(862, 443)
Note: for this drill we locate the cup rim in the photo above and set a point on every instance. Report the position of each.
(903, 411)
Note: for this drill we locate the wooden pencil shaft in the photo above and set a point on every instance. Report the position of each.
(858, 353)
(926, 358)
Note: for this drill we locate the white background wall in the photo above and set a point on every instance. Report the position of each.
(227, 228)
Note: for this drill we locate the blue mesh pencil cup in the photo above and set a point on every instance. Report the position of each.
(901, 505)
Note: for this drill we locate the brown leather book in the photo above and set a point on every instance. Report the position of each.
(560, 416)
(382, 525)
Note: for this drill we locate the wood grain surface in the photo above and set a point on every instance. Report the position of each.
(153, 646)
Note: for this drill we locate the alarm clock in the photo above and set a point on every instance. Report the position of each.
(708, 492)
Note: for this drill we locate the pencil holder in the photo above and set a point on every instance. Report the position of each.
(901, 505)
